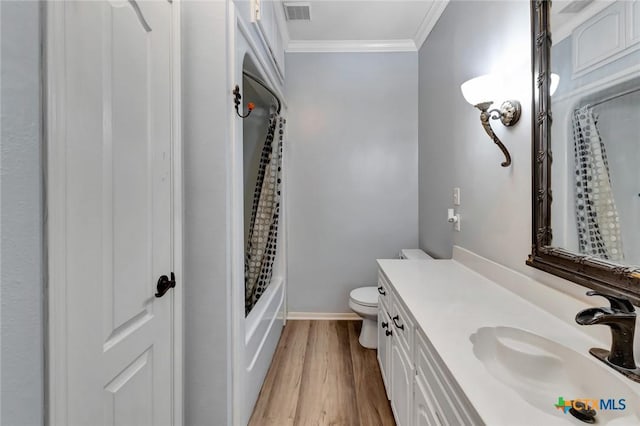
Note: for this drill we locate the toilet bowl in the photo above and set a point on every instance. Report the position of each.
(364, 302)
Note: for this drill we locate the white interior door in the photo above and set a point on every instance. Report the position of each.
(111, 201)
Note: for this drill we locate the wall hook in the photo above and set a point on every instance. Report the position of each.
(236, 99)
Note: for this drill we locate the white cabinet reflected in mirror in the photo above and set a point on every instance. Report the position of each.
(596, 129)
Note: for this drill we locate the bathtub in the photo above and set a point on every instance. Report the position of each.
(263, 327)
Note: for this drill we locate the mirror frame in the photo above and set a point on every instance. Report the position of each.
(589, 271)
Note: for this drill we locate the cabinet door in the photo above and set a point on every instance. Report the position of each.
(449, 403)
(384, 344)
(401, 384)
(424, 409)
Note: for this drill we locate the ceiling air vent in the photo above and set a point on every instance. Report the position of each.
(296, 11)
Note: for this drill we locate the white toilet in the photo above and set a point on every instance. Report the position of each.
(414, 254)
(364, 302)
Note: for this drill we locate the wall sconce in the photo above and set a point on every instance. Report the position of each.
(480, 90)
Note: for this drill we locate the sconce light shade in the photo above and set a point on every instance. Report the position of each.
(555, 82)
(480, 89)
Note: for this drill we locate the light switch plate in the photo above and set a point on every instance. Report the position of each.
(456, 196)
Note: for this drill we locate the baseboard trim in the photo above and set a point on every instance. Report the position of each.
(349, 316)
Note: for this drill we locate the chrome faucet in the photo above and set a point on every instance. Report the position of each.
(621, 318)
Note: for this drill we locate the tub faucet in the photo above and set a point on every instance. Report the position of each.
(621, 318)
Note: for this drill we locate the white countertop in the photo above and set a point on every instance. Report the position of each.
(451, 302)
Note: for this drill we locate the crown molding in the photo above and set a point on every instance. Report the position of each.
(338, 46)
(429, 21)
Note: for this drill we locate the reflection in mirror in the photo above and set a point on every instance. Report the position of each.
(596, 129)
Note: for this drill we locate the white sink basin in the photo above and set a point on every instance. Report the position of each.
(540, 371)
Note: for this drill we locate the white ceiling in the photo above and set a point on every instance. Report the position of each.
(361, 22)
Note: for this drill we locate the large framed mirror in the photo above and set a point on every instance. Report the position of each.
(586, 143)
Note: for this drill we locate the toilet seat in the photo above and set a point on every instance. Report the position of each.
(365, 296)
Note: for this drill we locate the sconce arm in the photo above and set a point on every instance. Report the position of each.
(495, 114)
(484, 119)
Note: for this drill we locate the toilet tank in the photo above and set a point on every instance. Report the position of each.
(414, 254)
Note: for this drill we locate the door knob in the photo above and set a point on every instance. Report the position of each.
(164, 284)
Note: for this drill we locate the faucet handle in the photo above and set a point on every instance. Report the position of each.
(618, 303)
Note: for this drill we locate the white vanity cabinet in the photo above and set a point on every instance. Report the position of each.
(424, 413)
(395, 340)
(401, 363)
(385, 331)
(402, 376)
(384, 344)
(436, 386)
(421, 389)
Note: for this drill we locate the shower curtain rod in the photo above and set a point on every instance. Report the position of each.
(619, 95)
(263, 84)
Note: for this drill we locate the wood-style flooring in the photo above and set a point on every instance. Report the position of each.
(320, 375)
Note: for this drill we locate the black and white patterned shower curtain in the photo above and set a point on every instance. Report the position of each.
(597, 216)
(261, 247)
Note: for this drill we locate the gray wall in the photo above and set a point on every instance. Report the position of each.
(352, 172)
(454, 149)
(21, 264)
(206, 99)
(496, 204)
